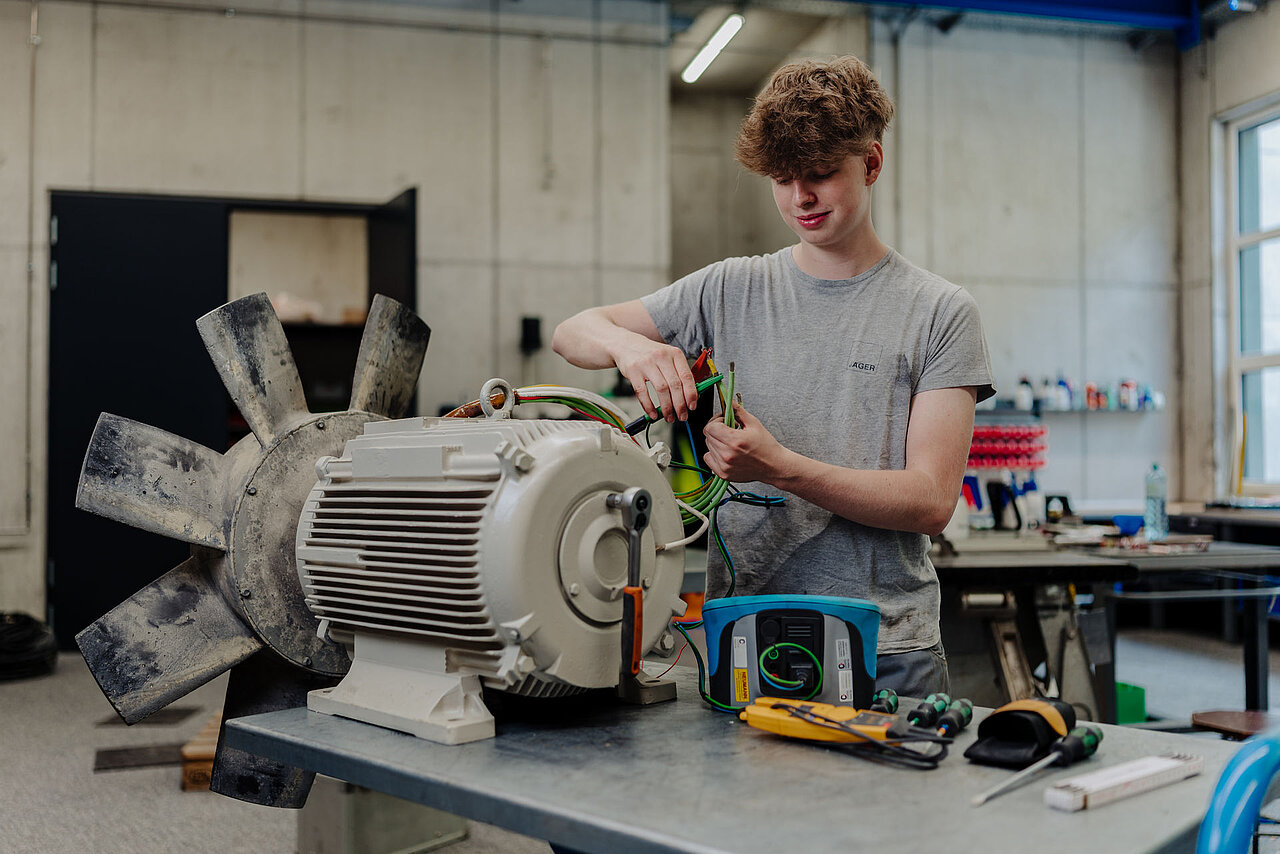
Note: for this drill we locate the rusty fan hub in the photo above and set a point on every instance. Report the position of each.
(264, 526)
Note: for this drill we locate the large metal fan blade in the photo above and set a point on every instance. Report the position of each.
(264, 683)
(164, 641)
(391, 353)
(248, 347)
(156, 481)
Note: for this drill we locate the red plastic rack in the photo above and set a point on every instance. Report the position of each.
(1020, 447)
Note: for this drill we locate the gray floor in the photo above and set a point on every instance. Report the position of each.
(52, 801)
(1184, 673)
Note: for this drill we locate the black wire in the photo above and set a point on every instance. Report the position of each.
(752, 499)
(873, 748)
(676, 465)
(905, 759)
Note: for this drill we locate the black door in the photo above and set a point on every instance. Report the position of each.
(132, 275)
(393, 249)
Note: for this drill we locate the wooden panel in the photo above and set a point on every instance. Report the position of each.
(313, 266)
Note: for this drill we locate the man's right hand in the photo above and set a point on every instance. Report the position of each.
(662, 366)
(625, 336)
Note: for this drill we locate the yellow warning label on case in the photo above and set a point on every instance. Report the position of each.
(741, 687)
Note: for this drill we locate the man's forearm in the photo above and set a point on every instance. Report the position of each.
(900, 500)
(624, 336)
(588, 339)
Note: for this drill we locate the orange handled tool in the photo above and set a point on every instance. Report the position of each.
(632, 628)
(635, 504)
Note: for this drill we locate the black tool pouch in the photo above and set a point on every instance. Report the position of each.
(1014, 738)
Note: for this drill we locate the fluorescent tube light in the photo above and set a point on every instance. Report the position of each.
(712, 48)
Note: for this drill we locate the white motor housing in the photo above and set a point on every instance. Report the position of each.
(450, 553)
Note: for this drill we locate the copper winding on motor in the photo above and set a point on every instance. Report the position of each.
(473, 409)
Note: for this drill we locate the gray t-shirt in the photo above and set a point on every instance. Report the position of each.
(829, 368)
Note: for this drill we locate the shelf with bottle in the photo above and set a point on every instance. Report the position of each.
(1124, 395)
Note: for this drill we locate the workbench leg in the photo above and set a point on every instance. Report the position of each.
(1257, 670)
(1230, 628)
(1104, 672)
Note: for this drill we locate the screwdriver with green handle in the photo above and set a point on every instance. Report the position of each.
(1080, 743)
(885, 700)
(955, 718)
(927, 713)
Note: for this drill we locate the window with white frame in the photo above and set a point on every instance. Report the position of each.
(1254, 277)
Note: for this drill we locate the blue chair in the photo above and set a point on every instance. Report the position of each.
(1229, 824)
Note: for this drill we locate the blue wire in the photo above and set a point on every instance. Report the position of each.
(724, 549)
(702, 676)
(693, 451)
(768, 678)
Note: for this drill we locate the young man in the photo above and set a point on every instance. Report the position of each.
(858, 371)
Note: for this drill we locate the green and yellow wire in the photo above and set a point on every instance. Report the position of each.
(706, 497)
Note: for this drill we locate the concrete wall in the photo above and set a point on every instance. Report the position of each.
(1226, 74)
(1037, 167)
(535, 131)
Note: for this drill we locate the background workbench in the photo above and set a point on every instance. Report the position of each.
(1238, 525)
(1235, 571)
(677, 777)
(1248, 568)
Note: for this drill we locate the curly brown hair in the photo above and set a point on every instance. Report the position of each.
(812, 114)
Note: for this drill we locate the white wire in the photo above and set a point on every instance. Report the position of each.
(702, 529)
(575, 393)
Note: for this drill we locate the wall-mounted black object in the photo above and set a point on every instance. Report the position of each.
(530, 335)
(128, 276)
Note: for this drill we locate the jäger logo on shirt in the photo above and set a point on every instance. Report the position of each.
(865, 357)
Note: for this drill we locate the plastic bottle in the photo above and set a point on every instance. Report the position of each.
(1156, 517)
(1034, 500)
(1025, 396)
(1064, 392)
(1045, 396)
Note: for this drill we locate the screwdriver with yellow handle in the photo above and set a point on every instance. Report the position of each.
(1080, 743)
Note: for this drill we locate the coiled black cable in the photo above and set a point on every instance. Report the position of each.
(27, 647)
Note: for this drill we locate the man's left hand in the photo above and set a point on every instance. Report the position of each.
(746, 453)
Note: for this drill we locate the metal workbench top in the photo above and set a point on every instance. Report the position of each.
(601, 777)
(973, 565)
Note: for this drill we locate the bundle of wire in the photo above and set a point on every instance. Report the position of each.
(581, 401)
(777, 681)
(892, 751)
(706, 497)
